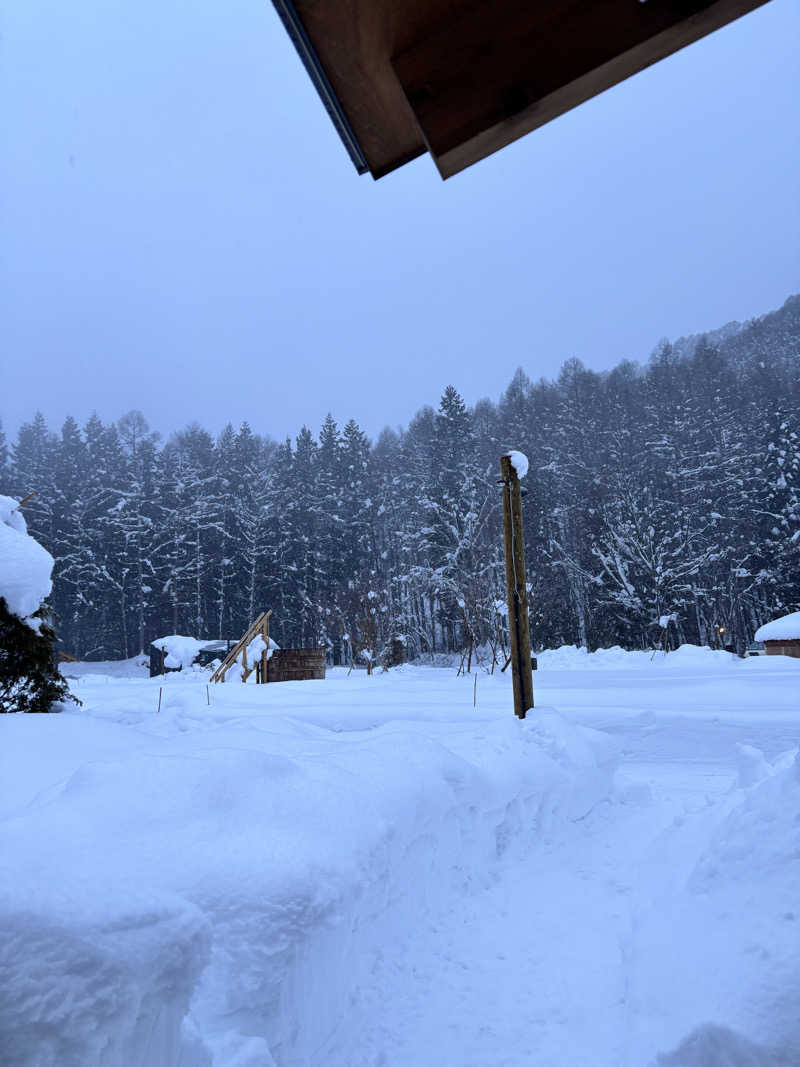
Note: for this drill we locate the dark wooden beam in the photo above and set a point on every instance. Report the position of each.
(501, 68)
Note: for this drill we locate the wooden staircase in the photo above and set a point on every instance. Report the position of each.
(260, 626)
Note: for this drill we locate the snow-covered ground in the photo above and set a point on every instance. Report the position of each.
(371, 871)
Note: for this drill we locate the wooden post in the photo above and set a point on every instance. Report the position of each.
(516, 589)
(264, 659)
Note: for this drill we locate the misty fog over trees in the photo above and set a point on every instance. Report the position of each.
(669, 488)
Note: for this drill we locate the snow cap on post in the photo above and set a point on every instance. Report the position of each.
(519, 461)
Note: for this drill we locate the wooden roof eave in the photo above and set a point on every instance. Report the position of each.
(302, 43)
(463, 78)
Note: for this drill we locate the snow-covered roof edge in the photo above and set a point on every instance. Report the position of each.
(786, 628)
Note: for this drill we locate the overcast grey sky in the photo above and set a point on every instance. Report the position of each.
(182, 231)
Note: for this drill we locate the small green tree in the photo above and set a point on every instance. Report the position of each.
(29, 678)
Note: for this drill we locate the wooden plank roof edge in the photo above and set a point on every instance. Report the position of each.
(378, 83)
(310, 60)
(401, 161)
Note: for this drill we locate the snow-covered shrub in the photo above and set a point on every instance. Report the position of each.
(29, 679)
(394, 654)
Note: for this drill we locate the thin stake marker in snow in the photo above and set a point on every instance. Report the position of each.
(514, 465)
(159, 698)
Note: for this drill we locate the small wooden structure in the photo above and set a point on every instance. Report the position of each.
(272, 664)
(781, 637)
(296, 665)
(238, 654)
(783, 648)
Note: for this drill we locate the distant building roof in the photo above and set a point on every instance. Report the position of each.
(787, 628)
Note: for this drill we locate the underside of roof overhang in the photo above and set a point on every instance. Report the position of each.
(462, 79)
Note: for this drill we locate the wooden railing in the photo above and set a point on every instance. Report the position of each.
(261, 625)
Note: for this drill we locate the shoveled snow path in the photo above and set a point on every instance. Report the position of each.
(533, 969)
(542, 966)
(367, 900)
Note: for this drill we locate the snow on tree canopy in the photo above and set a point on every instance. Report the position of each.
(519, 461)
(787, 628)
(25, 567)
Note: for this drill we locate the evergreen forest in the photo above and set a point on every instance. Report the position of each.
(670, 489)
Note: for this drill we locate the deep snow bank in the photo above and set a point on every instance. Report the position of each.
(687, 657)
(88, 980)
(734, 969)
(287, 854)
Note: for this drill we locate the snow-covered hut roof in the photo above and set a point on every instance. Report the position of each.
(787, 628)
(182, 651)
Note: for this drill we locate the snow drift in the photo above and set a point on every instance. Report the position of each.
(236, 872)
(736, 911)
(91, 982)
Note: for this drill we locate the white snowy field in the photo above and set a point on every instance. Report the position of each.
(371, 871)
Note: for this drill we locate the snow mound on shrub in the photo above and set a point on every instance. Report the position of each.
(25, 567)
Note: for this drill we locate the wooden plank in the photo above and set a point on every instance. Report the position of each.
(297, 664)
(297, 676)
(502, 68)
(230, 658)
(264, 654)
(783, 647)
(354, 40)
